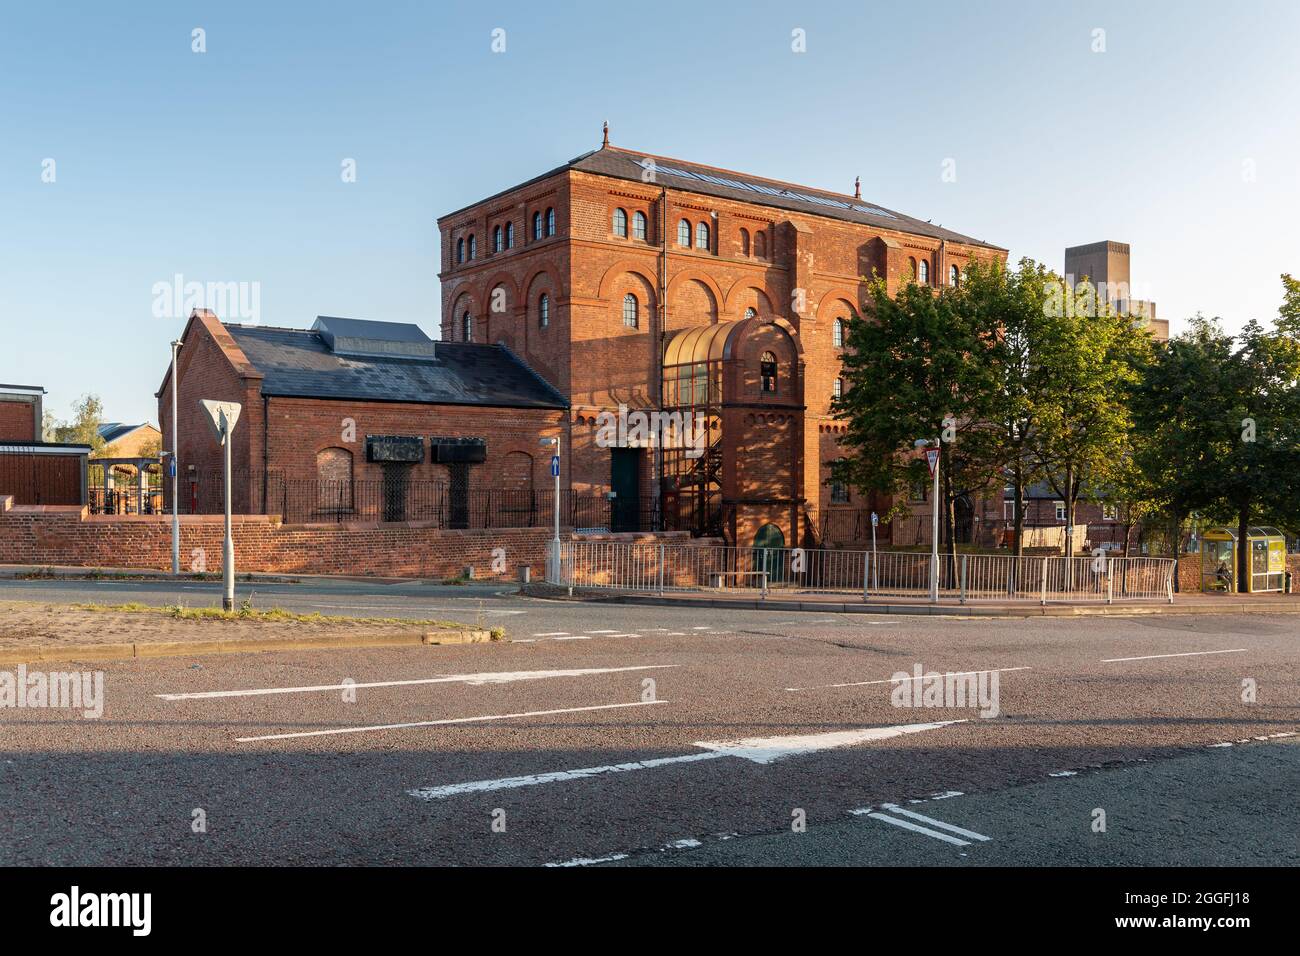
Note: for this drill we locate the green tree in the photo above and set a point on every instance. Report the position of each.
(1088, 358)
(919, 367)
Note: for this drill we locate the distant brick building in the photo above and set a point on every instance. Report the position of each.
(351, 402)
(32, 471)
(627, 279)
(1106, 265)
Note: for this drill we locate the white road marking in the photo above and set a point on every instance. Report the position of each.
(590, 860)
(552, 634)
(760, 750)
(1152, 657)
(449, 720)
(1064, 773)
(488, 677)
(918, 829)
(865, 683)
(625, 635)
(600, 632)
(895, 808)
(576, 637)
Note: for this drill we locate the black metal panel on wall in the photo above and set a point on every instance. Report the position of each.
(397, 449)
(449, 451)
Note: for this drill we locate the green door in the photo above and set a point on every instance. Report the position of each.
(625, 482)
(769, 554)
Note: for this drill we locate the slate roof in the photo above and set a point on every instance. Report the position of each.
(112, 431)
(744, 187)
(297, 363)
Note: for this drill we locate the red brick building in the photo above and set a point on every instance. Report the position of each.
(33, 471)
(638, 281)
(356, 420)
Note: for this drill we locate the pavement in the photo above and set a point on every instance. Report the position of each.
(609, 734)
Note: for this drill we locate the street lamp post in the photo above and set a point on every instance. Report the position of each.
(176, 520)
(553, 558)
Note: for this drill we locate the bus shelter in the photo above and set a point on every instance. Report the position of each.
(1265, 549)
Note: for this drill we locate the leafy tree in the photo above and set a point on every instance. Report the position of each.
(1087, 358)
(919, 367)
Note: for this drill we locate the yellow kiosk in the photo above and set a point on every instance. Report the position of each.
(1266, 550)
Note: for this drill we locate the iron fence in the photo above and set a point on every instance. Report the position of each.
(882, 574)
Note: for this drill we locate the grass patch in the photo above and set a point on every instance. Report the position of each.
(269, 615)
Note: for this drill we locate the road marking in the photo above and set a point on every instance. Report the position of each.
(1152, 657)
(1064, 773)
(449, 720)
(918, 829)
(552, 634)
(625, 635)
(864, 683)
(576, 637)
(760, 750)
(489, 677)
(690, 843)
(600, 632)
(960, 831)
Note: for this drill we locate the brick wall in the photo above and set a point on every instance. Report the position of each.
(18, 421)
(60, 535)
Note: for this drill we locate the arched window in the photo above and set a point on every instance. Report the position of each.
(760, 245)
(543, 310)
(550, 222)
(954, 276)
(702, 236)
(837, 333)
(620, 223)
(744, 242)
(767, 372)
(537, 225)
(510, 235)
(630, 311)
(472, 248)
(837, 390)
(911, 264)
(684, 233)
(467, 328)
(750, 313)
(923, 272)
(638, 226)
(334, 480)
(460, 250)
(498, 241)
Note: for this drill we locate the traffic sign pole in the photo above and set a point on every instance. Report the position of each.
(932, 459)
(222, 416)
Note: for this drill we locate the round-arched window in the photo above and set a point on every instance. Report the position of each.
(630, 311)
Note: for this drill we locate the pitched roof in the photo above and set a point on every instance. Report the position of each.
(743, 187)
(112, 431)
(299, 363)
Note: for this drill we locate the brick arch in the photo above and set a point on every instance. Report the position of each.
(737, 294)
(620, 268)
(706, 286)
(735, 340)
(516, 471)
(843, 294)
(529, 285)
(501, 279)
(704, 279)
(460, 303)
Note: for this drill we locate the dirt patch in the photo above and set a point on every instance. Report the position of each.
(25, 624)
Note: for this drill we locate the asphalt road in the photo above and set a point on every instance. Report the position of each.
(766, 737)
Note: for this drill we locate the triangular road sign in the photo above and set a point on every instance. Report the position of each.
(222, 416)
(932, 459)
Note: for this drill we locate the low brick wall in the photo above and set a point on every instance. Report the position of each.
(67, 535)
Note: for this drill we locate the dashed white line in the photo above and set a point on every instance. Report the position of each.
(1152, 657)
(960, 831)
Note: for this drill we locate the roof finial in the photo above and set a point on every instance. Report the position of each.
(605, 143)
(857, 187)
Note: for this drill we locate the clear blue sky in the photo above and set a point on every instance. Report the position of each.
(225, 166)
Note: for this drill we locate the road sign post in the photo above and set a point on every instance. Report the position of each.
(875, 574)
(932, 462)
(223, 416)
(554, 560)
(176, 520)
